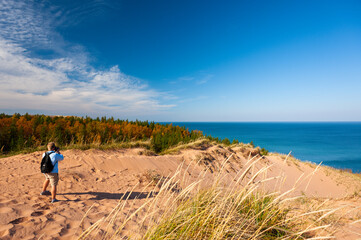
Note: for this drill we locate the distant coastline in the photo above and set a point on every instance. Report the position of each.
(335, 144)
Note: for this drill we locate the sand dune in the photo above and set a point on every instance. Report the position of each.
(96, 180)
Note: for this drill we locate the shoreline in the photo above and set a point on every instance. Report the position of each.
(315, 142)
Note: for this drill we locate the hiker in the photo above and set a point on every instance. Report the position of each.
(52, 176)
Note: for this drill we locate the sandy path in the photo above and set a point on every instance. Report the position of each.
(27, 215)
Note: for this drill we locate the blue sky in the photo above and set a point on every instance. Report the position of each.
(182, 60)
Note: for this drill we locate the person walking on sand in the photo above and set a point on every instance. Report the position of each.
(53, 176)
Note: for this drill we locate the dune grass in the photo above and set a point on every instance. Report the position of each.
(146, 144)
(207, 208)
(212, 215)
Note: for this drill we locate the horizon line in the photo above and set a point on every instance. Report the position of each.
(327, 121)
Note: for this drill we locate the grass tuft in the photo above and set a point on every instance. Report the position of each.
(204, 208)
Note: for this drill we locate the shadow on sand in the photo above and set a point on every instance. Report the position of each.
(123, 196)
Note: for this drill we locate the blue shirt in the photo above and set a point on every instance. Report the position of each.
(55, 158)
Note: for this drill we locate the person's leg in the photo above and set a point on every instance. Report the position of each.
(53, 192)
(45, 184)
(54, 182)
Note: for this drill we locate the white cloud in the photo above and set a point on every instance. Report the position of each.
(67, 84)
(20, 73)
(24, 83)
(19, 22)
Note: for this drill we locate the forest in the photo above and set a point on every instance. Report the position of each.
(18, 132)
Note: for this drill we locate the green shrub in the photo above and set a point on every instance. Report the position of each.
(226, 142)
(264, 152)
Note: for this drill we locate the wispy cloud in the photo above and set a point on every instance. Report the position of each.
(181, 79)
(66, 83)
(194, 99)
(21, 23)
(198, 79)
(204, 79)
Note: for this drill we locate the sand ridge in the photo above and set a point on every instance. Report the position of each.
(97, 179)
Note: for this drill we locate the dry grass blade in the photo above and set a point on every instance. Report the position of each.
(87, 232)
(82, 220)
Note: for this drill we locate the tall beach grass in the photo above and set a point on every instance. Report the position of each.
(222, 207)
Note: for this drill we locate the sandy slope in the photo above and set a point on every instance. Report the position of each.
(97, 179)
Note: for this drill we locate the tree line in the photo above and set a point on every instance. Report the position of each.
(18, 132)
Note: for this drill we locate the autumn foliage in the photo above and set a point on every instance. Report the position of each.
(18, 132)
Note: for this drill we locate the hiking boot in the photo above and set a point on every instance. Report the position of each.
(54, 200)
(45, 193)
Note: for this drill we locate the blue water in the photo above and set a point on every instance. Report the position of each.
(334, 144)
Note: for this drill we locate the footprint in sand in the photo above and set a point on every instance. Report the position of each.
(37, 205)
(49, 216)
(46, 207)
(19, 220)
(36, 214)
(64, 230)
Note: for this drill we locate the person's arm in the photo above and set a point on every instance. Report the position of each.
(59, 156)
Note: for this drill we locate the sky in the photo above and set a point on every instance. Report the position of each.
(182, 60)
